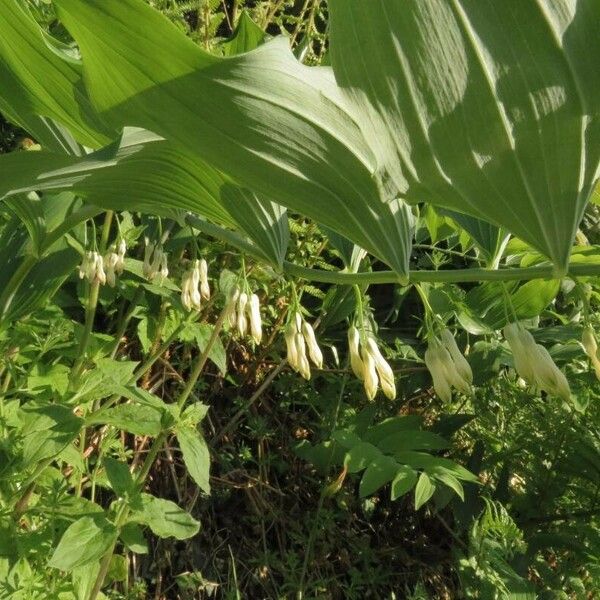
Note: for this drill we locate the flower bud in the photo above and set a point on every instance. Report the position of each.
(588, 339)
(164, 269)
(232, 300)
(353, 347)
(255, 318)
(186, 298)
(242, 323)
(460, 362)
(110, 262)
(204, 287)
(521, 356)
(371, 381)
(441, 384)
(303, 366)
(385, 372)
(290, 342)
(313, 347)
(547, 375)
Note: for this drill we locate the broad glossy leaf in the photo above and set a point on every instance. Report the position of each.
(381, 471)
(276, 126)
(488, 108)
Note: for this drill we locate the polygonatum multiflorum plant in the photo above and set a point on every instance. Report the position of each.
(166, 188)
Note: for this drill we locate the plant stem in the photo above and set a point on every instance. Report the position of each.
(157, 445)
(450, 276)
(15, 282)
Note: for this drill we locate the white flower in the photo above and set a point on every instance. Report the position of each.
(385, 372)
(242, 322)
(231, 305)
(99, 274)
(255, 318)
(110, 263)
(353, 346)
(371, 381)
(313, 347)
(186, 298)
(441, 383)
(87, 267)
(204, 287)
(460, 362)
(120, 264)
(164, 269)
(303, 366)
(521, 358)
(290, 342)
(588, 340)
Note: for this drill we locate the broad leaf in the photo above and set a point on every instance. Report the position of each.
(195, 455)
(381, 471)
(83, 542)
(488, 108)
(135, 418)
(164, 517)
(403, 482)
(423, 490)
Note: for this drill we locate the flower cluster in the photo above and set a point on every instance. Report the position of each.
(101, 270)
(448, 367)
(244, 311)
(588, 340)
(534, 363)
(300, 335)
(155, 261)
(369, 366)
(194, 285)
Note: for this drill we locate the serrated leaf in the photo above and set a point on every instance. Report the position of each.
(134, 418)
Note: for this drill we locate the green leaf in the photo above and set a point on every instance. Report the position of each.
(276, 126)
(412, 440)
(119, 476)
(47, 431)
(201, 333)
(403, 482)
(393, 425)
(423, 490)
(85, 541)
(447, 478)
(195, 455)
(360, 456)
(134, 418)
(490, 109)
(247, 36)
(164, 517)
(381, 471)
(420, 460)
(133, 537)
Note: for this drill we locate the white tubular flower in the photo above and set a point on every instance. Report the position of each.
(186, 298)
(371, 381)
(313, 347)
(303, 366)
(588, 340)
(99, 274)
(232, 301)
(255, 318)
(521, 355)
(353, 346)
(87, 267)
(242, 322)
(385, 372)
(204, 287)
(460, 362)
(290, 342)
(548, 376)
(453, 377)
(110, 263)
(441, 385)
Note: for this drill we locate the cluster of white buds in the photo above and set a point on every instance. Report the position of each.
(194, 285)
(448, 367)
(300, 335)
(369, 366)
(244, 311)
(114, 262)
(534, 363)
(588, 340)
(92, 268)
(155, 261)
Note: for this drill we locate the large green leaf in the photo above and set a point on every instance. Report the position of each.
(489, 108)
(276, 126)
(144, 172)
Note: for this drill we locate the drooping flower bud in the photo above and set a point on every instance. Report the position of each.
(313, 347)
(110, 263)
(120, 263)
(588, 340)
(290, 342)
(371, 380)
(231, 305)
(255, 318)
(164, 268)
(460, 362)
(548, 376)
(186, 298)
(385, 372)
(99, 274)
(204, 287)
(242, 322)
(353, 346)
(521, 356)
(87, 267)
(433, 362)
(303, 366)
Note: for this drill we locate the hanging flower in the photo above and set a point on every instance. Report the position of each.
(255, 318)
(588, 340)
(300, 336)
(242, 321)
(448, 367)
(353, 347)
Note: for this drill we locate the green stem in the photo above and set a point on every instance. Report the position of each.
(156, 446)
(450, 276)
(15, 282)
